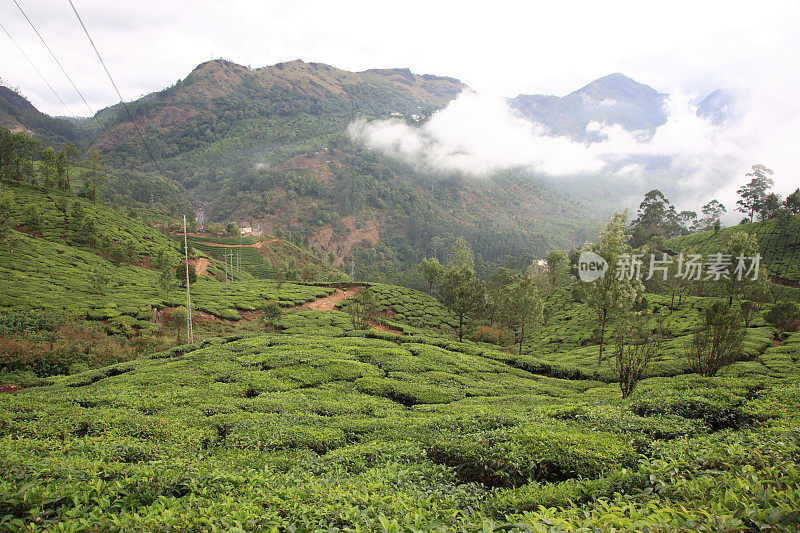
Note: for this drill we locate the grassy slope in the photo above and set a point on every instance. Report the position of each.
(262, 261)
(280, 430)
(323, 426)
(779, 244)
(111, 224)
(567, 346)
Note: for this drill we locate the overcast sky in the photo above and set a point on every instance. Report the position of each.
(499, 47)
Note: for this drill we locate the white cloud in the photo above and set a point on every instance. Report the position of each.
(478, 134)
(149, 44)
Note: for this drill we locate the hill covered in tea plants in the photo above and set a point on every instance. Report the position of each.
(778, 243)
(391, 432)
(288, 414)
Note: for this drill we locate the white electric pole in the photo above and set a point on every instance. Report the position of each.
(225, 259)
(189, 332)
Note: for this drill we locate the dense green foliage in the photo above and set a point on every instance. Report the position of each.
(301, 430)
(298, 410)
(778, 241)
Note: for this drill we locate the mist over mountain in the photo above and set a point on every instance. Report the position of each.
(385, 159)
(613, 99)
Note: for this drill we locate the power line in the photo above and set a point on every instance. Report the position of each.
(59, 65)
(39, 72)
(122, 100)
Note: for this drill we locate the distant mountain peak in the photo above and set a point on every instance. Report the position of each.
(214, 64)
(616, 86)
(612, 99)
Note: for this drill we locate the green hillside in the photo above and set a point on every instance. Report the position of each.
(338, 404)
(303, 420)
(271, 145)
(86, 225)
(18, 114)
(317, 432)
(260, 257)
(778, 241)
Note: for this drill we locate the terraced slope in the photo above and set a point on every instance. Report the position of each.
(779, 244)
(319, 433)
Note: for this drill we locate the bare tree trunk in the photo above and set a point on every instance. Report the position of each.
(602, 336)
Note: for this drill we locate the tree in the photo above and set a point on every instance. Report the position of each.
(180, 274)
(271, 313)
(95, 178)
(431, 272)
(717, 341)
(792, 202)
(754, 193)
(610, 294)
(771, 207)
(635, 347)
(308, 272)
(784, 315)
(363, 309)
(162, 263)
(712, 215)
(521, 307)
(32, 218)
(17, 152)
(6, 218)
(49, 168)
(656, 218)
(687, 220)
(77, 215)
(741, 248)
(460, 290)
(66, 156)
(557, 265)
(492, 305)
(369, 302)
(232, 229)
(749, 309)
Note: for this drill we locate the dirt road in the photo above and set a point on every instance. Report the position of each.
(328, 303)
(201, 265)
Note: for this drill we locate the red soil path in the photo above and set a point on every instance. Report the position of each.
(328, 303)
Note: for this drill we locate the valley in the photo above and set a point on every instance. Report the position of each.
(374, 344)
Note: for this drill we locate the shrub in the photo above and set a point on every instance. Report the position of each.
(784, 315)
(718, 340)
(512, 457)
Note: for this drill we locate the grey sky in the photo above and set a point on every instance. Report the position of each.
(499, 47)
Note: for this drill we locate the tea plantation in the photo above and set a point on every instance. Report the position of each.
(311, 432)
(779, 244)
(286, 418)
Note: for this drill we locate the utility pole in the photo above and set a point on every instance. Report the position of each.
(225, 258)
(189, 332)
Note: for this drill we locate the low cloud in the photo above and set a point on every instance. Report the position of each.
(693, 157)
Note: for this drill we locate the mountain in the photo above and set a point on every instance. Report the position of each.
(18, 114)
(220, 98)
(611, 99)
(727, 106)
(271, 145)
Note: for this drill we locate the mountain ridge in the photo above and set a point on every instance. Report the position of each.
(17, 113)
